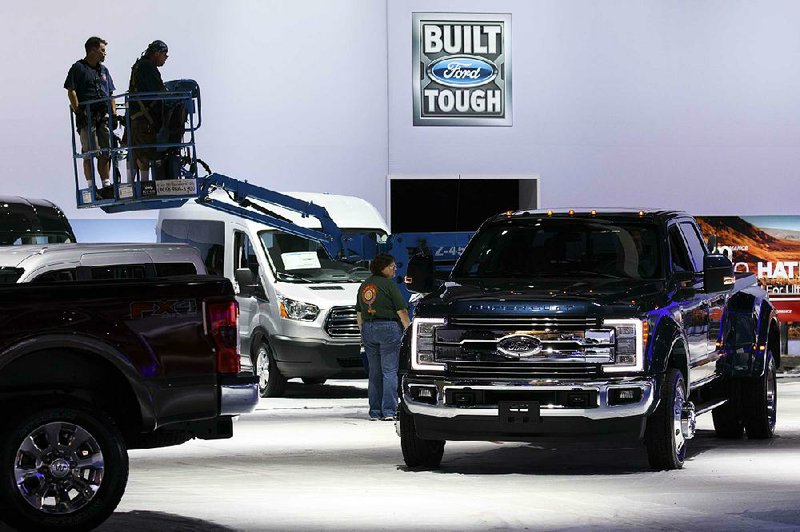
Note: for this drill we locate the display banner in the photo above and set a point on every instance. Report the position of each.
(769, 247)
(462, 69)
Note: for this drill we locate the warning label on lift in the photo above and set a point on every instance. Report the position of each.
(169, 187)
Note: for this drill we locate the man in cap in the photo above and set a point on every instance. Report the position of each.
(147, 114)
(88, 79)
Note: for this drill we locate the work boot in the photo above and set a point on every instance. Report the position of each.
(105, 193)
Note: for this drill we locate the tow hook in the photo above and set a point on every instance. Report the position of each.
(688, 420)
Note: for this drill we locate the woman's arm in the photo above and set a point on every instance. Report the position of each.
(404, 319)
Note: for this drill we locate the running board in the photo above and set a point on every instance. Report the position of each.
(710, 407)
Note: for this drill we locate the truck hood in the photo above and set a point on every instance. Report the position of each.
(324, 295)
(586, 297)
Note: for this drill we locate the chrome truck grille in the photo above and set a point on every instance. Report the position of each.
(341, 323)
(525, 348)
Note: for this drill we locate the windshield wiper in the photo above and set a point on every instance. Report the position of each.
(284, 276)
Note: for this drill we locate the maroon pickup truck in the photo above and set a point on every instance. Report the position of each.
(91, 369)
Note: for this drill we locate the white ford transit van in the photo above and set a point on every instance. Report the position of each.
(297, 304)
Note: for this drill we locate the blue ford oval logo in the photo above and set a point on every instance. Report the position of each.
(462, 71)
(519, 346)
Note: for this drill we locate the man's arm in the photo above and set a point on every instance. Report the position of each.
(358, 320)
(73, 100)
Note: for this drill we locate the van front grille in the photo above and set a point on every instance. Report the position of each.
(341, 323)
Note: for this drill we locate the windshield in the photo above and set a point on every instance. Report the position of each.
(297, 259)
(22, 223)
(562, 248)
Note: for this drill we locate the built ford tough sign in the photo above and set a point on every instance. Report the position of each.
(580, 324)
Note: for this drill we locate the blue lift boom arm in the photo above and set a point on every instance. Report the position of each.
(330, 236)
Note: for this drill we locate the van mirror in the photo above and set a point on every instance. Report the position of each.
(246, 279)
(420, 274)
(717, 273)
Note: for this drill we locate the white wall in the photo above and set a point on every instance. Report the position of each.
(680, 104)
(294, 93)
(644, 103)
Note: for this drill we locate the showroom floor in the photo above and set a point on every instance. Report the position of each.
(312, 461)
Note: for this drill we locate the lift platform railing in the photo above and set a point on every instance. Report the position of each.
(171, 161)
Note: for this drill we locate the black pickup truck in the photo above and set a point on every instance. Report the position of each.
(91, 369)
(588, 324)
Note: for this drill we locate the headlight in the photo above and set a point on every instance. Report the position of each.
(630, 337)
(423, 332)
(297, 310)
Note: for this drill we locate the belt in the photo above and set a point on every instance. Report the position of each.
(383, 319)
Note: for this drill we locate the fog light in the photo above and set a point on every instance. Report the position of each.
(424, 394)
(621, 396)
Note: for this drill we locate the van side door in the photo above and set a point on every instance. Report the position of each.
(244, 256)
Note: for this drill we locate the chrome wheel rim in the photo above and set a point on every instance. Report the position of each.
(59, 468)
(262, 366)
(772, 393)
(677, 413)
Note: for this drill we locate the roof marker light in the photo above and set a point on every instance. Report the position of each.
(549, 213)
(594, 212)
(641, 213)
(571, 212)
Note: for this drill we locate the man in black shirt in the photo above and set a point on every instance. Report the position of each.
(88, 79)
(147, 114)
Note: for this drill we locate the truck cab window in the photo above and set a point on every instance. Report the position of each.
(678, 251)
(57, 276)
(118, 271)
(697, 249)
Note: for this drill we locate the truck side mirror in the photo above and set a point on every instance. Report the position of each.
(420, 274)
(248, 285)
(717, 273)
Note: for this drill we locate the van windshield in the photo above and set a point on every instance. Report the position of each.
(299, 260)
(562, 248)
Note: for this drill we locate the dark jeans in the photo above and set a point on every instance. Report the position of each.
(382, 344)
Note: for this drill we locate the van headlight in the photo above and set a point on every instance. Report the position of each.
(297, 310)
(630, 336)
(423, 333)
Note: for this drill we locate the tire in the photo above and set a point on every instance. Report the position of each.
(89, 488)
(314, 380)
(760, 401)
(666, 446)
(728, 423)
(271, 383)
(418, 453)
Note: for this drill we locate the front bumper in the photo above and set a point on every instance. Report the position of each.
(304, 357)
(554, 412)
(238, 394)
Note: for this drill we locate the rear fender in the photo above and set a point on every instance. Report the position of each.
(93, 347)
(749, 329)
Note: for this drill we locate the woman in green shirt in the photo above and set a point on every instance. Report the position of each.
(382, 316)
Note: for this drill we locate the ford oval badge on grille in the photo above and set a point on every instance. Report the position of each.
(519, 346)
(462, 71)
